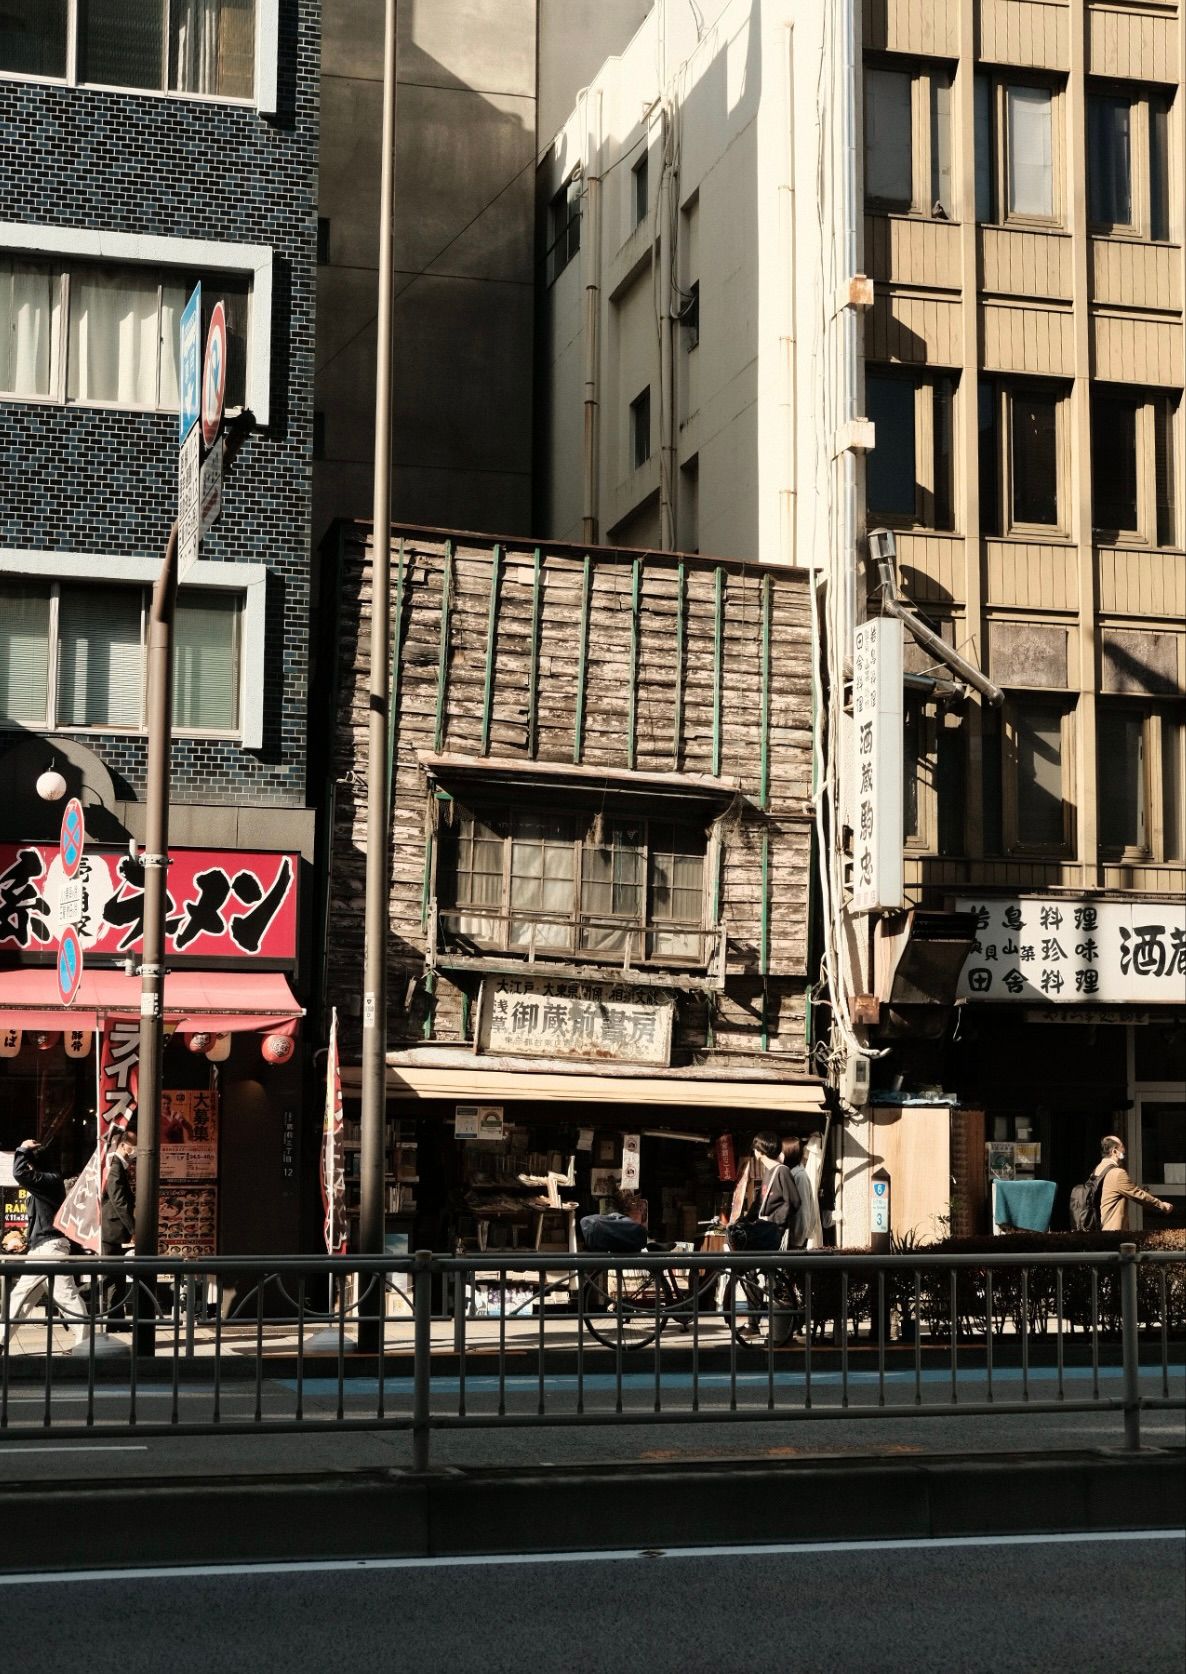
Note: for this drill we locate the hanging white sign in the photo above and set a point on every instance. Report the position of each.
(876, 768)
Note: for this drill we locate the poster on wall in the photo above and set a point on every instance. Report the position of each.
(188, 1220)
(189, 1134)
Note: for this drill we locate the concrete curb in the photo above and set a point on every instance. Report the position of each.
(363, 1514)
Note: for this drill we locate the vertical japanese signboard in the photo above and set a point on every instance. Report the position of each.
(876, 770)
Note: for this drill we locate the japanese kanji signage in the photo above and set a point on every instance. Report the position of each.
(188, 1220)
(876, 771)
(189, 1134)
(220, 904)
(1061, 951)
(536, 1017)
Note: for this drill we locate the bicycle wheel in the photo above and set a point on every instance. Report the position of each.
(753, 1318)
(618, 1307)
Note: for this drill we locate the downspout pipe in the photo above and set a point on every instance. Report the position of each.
(667, 467)
(591, 247)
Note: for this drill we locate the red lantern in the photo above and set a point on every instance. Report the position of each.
(45, 1042)
(200, 1042)
(278, 1049)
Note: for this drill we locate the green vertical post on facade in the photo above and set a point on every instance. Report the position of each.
(491, 636)
(443, 658)
(635, 627)
(537, 597)
(764, 788)
(578, 726)
(764, 940)
(426, 880)
(681, 631)
(396, 651)
(718, 667)
(429, 1029)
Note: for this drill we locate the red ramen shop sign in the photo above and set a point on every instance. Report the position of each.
(221, 904)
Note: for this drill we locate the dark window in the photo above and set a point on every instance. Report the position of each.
(1109, 160)
(984, 148)
(943, 424)
(33, 37)
(888, 142)
(989, 450)
(640, 175)
(950, 785)
(913, 755)
(1035, 458)
(892, 470)
(564, 228)
(1173, 788)
(1114, 461)
(640, 427)
(1159, 167)
(1164, 427)
(1121, 753)
(689, 315)
(121, 43)
(1040, 814)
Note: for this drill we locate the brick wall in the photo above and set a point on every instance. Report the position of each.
(79, 480)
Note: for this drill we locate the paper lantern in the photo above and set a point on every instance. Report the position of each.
(200, 1042)
(44, 1041)
(278, 1049)
(10, 1042)
(78, 1043)
(219, 1050)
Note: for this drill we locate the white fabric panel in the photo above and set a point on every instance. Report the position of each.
(26, 328)
(100, 664)
(113, 337)
(1031, 151)
(24, 654)
(206, 662)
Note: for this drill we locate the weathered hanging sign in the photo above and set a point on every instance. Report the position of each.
(1066, 951)
(543, 1018)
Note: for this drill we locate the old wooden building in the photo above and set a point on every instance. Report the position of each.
(599, 779)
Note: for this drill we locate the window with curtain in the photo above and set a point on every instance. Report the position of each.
(206, 663)
(27, 294)
(594, 886)
(95, 637)
(121, 335)
(24, 654)
(1030, 151)
(212, 47)
(100, 660)
(33, 37)
(1015, 160)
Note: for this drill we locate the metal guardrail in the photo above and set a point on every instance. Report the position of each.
(585, 1340)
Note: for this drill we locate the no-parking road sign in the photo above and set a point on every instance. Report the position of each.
(69, 966)
(72, 840)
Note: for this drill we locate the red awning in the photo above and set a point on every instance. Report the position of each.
(220, 1002)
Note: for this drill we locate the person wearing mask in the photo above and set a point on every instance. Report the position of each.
(1118, 1190)
(47, 1191)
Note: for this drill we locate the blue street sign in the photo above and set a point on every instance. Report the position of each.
(69, 965)
(72, 837)
(190, 379)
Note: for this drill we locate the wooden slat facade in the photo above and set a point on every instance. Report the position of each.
(542, 711)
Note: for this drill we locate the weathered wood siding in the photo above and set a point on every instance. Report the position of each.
(440, 708)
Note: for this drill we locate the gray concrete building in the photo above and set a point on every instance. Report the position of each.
(480, 82)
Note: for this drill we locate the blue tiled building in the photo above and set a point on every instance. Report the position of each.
(150, 144)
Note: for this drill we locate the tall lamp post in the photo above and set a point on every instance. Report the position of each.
(372, 1180)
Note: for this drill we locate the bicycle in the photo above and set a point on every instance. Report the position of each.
(763, 1307)
(627, 1308)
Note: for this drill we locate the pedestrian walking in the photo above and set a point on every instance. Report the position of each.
(46, 1189)
(117, 1216)
(1118, 1190)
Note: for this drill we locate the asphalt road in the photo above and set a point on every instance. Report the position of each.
(1082, 1604)
(66, 1450)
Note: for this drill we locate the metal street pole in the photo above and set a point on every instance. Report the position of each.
(155, 859)
(372, 1183)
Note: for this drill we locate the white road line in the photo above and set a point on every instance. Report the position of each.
(331, 1566)
(94, 1447)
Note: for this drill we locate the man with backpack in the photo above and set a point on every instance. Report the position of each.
(1116, 1190)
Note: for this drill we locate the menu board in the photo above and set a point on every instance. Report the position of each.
(188, 1220)
(189, 1135)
